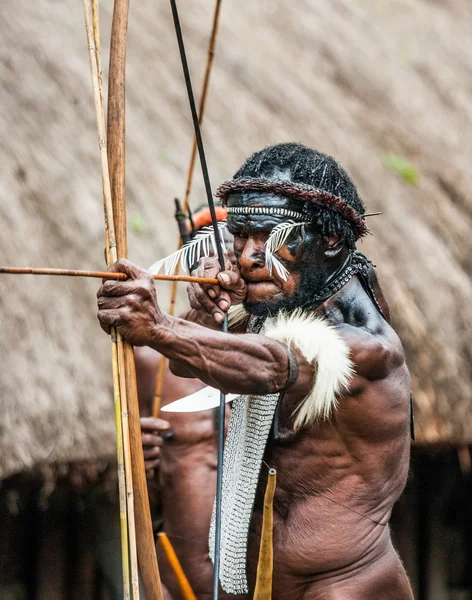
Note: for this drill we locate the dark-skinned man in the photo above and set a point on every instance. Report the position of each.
(325, 392)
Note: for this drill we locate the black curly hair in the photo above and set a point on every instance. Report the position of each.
(300, 164)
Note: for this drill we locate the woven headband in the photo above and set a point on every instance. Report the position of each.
(299, 191)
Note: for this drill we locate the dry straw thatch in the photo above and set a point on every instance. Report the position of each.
(355, 79)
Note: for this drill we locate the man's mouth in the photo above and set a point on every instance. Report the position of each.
(261, 289)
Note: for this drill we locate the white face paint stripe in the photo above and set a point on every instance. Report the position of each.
(265, 210)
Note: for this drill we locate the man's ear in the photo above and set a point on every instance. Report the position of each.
(334, 245)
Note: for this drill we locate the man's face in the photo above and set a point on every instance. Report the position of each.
(302, 256)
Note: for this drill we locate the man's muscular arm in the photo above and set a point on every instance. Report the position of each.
(233, 363)
(238, 364)
(379, 393)
(374, 354)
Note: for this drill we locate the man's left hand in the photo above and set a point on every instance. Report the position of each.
(130, 305)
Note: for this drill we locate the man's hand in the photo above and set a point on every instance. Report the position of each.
(216, 299)
(131, 305)
(152, 441)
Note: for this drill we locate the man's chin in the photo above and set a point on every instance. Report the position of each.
(267, 308)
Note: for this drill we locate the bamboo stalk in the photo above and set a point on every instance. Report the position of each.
(117, 404)
(92, 34)
(128, 472)
(100, 274)
(188, 189)
(116, 155)
(157, 401)
(265, 565)
(184, 584)
(112, 255)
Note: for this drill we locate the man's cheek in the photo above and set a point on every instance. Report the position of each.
(290, 286)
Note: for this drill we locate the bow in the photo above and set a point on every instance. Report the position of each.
(146, 548)
(134, 501)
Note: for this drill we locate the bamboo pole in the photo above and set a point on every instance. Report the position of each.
(110, 252)
(183, 582)
(188, 189)
(128, 471)
(265, 565)
(120, 468)
(116, 156)
(100, 274)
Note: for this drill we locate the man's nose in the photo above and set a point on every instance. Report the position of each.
(253, 255)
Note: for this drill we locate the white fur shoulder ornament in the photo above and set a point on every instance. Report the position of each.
(320, 344)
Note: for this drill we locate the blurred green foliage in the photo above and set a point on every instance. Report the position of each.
(403, 167)
(138, 224)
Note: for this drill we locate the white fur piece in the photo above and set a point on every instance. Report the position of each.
(321, 345)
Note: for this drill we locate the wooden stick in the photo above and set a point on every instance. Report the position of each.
(157, 401)
(188, 189)
(265, 565)
(183, 582)
(101, 274)
(117, 404)
(128, 471)
(116, 155)
(92, 34)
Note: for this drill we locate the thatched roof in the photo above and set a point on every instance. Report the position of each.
(357, 80)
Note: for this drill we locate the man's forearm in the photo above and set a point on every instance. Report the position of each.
(233, 363)
(201, 318)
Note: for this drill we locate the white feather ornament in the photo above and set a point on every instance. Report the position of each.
(201, 245)
(277, 238)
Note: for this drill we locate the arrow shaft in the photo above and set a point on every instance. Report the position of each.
(101, 274)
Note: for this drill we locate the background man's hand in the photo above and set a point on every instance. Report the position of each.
(131, 305)
(152, 441)
(216, 299)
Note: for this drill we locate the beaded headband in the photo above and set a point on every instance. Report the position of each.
(299, 191)
(266, 210)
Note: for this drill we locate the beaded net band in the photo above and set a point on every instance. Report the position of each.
(248, 431)
(298, 191)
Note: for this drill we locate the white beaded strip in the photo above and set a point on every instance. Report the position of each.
(265, 210)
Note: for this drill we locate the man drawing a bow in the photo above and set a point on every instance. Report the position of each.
(325, 391)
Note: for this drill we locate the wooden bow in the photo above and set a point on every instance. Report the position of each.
(147, 557)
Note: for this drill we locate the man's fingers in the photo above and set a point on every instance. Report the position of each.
(150, 465)
(204, 300)
(113, 288)
(152, 453)
(133, 271)
(106, 328)
(152, 440)
(154, 424)
(231, 280)
(223, 301)
(108, 318)
(113, 303)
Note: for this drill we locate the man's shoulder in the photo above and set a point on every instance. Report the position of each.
(375, 345)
